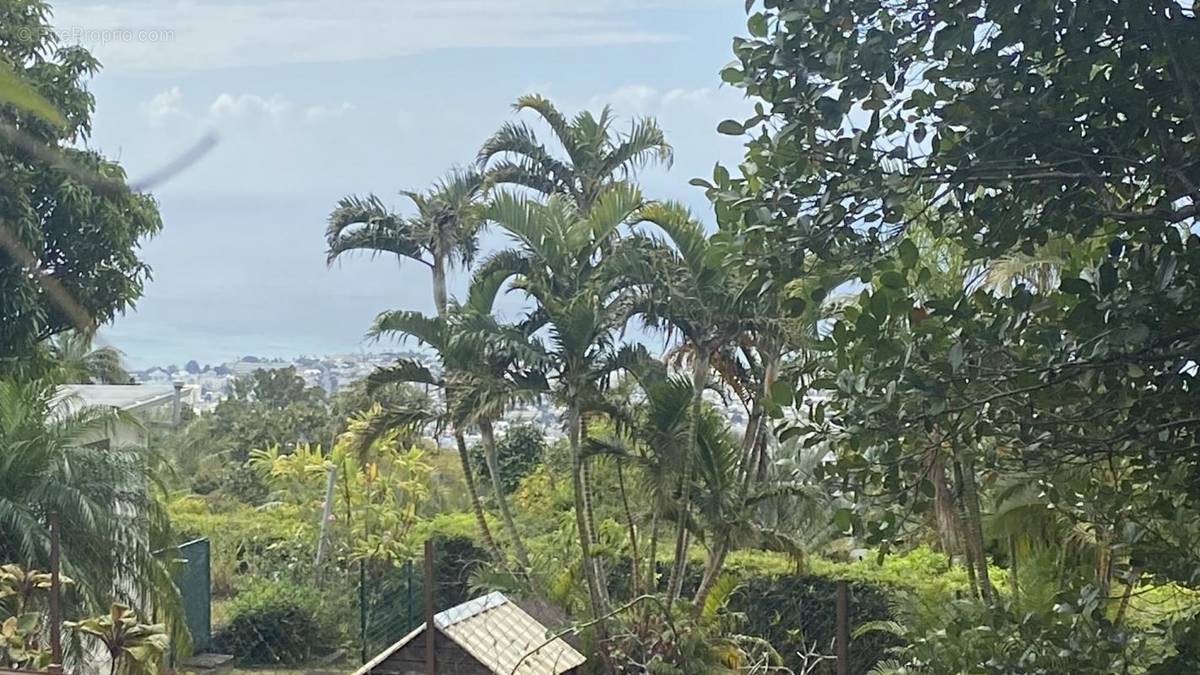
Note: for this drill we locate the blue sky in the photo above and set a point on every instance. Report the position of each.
(310, 101)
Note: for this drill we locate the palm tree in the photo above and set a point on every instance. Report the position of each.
(657, 434)
(596, 156)
(680, 288)
(111, 520)
(487, 368)
(559, 263)
(444, 233)
(78, 362)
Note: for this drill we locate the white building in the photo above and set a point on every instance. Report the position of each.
(150, 405)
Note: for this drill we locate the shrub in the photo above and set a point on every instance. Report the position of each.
(518, 452)
(277, 623)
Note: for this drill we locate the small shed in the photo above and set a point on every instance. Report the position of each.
(489, 635)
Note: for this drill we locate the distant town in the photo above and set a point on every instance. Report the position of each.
(206, 385)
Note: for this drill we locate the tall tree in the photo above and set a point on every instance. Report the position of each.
(486, 369)
(1020, 124)
(70, 226)
(558, 263)
(444, 233)
(597, 156)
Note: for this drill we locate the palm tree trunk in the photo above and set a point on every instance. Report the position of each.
(635, 566)
(582, 521)
(652, 562)
(510, 525)
(712, 571)
(590, 512)
(439, 285)
(485, 532)
(755, 423)
(699, 382)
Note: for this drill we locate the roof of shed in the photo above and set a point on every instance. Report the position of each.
(499, 634)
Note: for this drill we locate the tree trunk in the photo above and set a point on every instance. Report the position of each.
(1135, 574)
(699, 382)
(493, 464)
(582, 522)
(970, 496)
(590, 512)
(754, 425)
(485, 532)
(968, 549)
(712, 572)
(945, 512)
(439, 285)
(635, 566)
(652, 565)
(1014, 577)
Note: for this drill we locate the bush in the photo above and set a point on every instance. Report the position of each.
(518, 452)
(277, 623)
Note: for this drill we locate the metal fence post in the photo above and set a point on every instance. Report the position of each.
(56, 655)
(430, 627)
(362, 611)
(843, 629)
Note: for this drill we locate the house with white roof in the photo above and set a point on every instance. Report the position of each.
(150, 405)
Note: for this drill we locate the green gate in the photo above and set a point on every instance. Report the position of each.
(195, 589)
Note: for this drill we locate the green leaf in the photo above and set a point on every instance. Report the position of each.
(14, 91)
(1075, 286)
(757, 25)
(731, 128)
(908, 253)
(732, 75)
(892, 279)
(843, 519)
(782, 392)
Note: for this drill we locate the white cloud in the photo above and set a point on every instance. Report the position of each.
(208, 34)
(164, 106)
(249, 107)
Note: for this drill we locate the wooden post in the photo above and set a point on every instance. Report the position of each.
(430, 628)
(843, 629)
(56, 655)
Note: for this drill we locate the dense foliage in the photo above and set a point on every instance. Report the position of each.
(274, 622)
(70, 226)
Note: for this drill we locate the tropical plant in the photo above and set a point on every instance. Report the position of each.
(486, 368)
(559, 263)
(443, 233)
(382, 486)
(597, 157)
(54, 459)
(134, 648)
(79, 362)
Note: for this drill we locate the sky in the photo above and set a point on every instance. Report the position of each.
(311, 101)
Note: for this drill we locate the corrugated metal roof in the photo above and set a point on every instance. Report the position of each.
(499, 634)
(123, 396)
